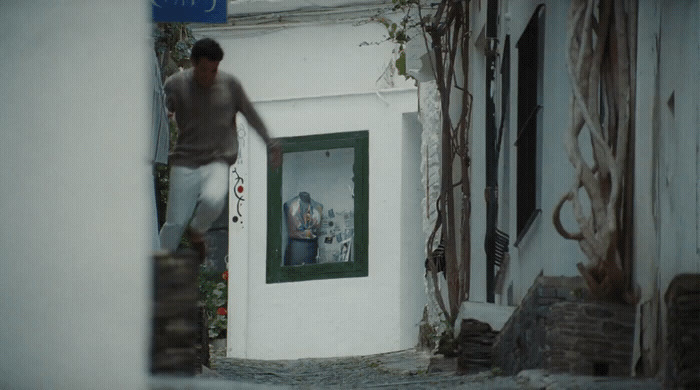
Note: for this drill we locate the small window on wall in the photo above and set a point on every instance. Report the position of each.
(317, 208)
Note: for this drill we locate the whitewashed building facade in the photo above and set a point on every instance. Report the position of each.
(324, 81)
(666, 152)
(313, 44)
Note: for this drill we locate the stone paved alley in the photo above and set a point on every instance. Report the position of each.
(411, 369)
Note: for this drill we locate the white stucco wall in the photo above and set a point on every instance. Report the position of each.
(666, 161)
(412, 295)
(559, 256)
(75, 195)
(309, 59)
(315, 79)
(542, 249)
(646, 152)
(335, 317)
(674, 144)
(678, 94)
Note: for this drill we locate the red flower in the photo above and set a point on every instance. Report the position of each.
(221, 311)
(225, 275)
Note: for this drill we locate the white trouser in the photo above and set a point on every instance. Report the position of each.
(198, 194)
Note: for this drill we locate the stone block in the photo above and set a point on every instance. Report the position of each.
(683, 284)
(547, 292)
(598, 311)
(683, 316)
(476, 344)
(177, 343)
(611, 327)
(546, 302)
(555, 328)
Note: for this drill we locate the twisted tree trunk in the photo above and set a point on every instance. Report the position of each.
(601, 64)
(449, 33)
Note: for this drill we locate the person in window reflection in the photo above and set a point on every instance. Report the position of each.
(303, 217)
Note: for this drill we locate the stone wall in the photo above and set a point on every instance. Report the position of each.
(179, 343)
(589, 338)
(557, 328)
(683, 302)
(520, 344)
(475, 346)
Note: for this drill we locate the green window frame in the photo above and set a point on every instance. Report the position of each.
(279, 273)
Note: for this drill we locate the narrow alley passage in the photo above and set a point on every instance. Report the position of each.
(411, 369)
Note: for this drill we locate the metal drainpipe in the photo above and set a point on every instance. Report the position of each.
(491, 191)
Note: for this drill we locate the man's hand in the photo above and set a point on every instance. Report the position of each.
(274, 152)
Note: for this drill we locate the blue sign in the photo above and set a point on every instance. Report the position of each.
(199, 11)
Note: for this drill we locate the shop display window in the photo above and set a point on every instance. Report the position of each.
(317, 208)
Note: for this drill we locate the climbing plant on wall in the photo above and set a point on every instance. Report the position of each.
(601, 63)
(446, 33)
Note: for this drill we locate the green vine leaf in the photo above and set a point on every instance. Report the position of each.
(401, 63)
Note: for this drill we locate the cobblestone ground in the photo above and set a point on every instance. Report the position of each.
(400, 370)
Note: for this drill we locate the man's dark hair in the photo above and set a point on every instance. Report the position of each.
(206, 47)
